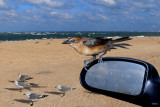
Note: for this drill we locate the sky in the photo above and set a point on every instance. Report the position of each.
(79, 15)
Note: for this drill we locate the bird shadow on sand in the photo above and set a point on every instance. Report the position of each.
(92, 92)
(12, 89)
(22, 101)
(33, 85)
(20, 80)
(55, 93)
(44, 72)
(18, 89)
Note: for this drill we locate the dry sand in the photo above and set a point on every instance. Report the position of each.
(51, 63)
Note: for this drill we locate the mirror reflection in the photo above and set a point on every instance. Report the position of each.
(116, 76)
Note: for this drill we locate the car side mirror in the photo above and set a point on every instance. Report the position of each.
(127, 79)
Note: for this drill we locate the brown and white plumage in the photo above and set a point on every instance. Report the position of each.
(93, 46)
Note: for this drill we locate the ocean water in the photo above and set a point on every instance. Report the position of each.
(20, 36)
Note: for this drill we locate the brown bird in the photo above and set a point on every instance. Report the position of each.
(93, 46)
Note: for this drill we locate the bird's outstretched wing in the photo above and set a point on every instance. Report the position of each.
(95, 41)
(121, 39)
(122, 45)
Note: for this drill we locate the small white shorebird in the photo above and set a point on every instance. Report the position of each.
(33, 96)
(23, 77)
(21, 85)
(63, 89)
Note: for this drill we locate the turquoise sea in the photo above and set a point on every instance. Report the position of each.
(19, 36)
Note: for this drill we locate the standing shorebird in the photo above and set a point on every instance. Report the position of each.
(21, 85)
(23, 77)
(63, 89)
(33, 96)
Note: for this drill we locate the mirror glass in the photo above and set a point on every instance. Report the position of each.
(116, 76)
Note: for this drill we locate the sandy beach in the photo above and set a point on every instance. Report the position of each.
(51, 63)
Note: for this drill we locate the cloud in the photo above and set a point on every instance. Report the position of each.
(110, 2)
(47, 2)
(8, 16)
(60, 15)
(3, 5)
(83, 2)
(82, 14)
(155, 13)
(92, 18)
(11, 13)
(144, 5)
(103, 2)
(98, 17)
(50, 3)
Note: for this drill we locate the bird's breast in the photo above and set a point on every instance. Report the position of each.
(89, 51)
(92, 50)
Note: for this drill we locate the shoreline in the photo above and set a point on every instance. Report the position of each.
(68, 37)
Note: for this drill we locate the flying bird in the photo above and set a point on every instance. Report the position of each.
(63, 89)
(33, 96)
(93, 46)
(23, 77)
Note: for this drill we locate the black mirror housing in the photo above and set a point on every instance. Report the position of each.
(150, 93)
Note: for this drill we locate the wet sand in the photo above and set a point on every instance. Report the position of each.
(51, 63)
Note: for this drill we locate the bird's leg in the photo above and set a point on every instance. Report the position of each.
(31, 103)
(94, 57)
(86, 64)
(63, 94)
(101, 56)
(88, 61)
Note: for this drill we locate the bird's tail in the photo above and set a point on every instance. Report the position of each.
(44, 96)
(121, 39)
(31, 84)
(29, 78)
(122, 45)
(73, 88)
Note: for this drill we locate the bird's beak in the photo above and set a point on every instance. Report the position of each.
(55, 86)
(66, 42)
(24, 94)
